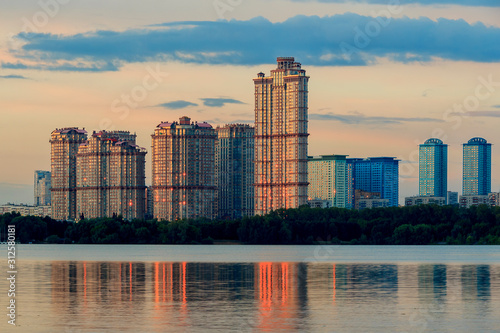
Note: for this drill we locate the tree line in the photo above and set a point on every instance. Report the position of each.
(415, 225)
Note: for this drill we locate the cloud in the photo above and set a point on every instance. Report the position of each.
(475, 3)
(219, 102)
(13, 77)
(176, 105)
(64, 67)
(489, 114)
(356, 118)
(338, 40)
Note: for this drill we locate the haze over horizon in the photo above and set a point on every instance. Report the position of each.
(379, 86)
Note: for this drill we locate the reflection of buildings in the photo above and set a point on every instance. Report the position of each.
(263, 296)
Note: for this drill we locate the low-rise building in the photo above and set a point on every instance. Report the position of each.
(467, 201)
(452, 198)
(425, 200)
(319, 203)
(27, 210)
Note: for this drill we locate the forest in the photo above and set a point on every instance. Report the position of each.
(415, 225)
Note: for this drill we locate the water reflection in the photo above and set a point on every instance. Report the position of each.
(288, 297)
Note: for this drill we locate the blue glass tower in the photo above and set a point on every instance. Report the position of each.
(477, 167)
(375, 175)
(433, 168)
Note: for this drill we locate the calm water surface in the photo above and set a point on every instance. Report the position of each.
(88, 288)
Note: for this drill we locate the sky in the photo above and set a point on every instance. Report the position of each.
(385, 75)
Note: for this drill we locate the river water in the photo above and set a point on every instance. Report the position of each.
(235, 288)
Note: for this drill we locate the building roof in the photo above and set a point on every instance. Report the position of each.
(69, 130)
(204, 125)
(477, 140)
(433, 141)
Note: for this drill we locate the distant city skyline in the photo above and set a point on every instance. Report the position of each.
(373, 93)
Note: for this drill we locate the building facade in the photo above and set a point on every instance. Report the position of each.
(42, 185)
(319, 203)
(375, 175)
(433, 168)
(235, 170)
(452, 198)
(476, 167)
(183, 170)
(425, 200)
(64, 147)
(111, 177)
(25, 210)
(491, 199)
(327, 178)
(281, 107)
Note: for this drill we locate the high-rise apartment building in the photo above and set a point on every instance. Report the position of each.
(281, 104)
(476, 167)
(111, 176)
(64, 147)
(183, 172)
(327, 177)
(374, 175)
(235, 170)
(433, 168)
(42, 188)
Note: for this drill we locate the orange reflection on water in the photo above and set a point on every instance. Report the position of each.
(85, 281)
(157, 284)
(184, 284)
(130, 279)
(334, 282)
(275, 294)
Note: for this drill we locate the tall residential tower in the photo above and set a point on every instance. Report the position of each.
(476, 167)
(281, 104)
(378, 176)
(328, 179)
(235, 168)
(111, 176)
(183, 172)
(433, 169)
(64, 147)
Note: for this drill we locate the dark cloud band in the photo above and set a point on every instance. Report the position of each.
(340, 40)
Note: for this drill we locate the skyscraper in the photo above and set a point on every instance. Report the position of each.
(42, 188)
(183, 172)
(111, 176)
(64, 147)
(433, 168)
(375, 175)
(476, 167)
(327, 179)
(235, 168)
(281, 106)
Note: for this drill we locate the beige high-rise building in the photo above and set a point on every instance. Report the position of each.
(281, 104)
(183, 172)
(64, 147)
(111, 176)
